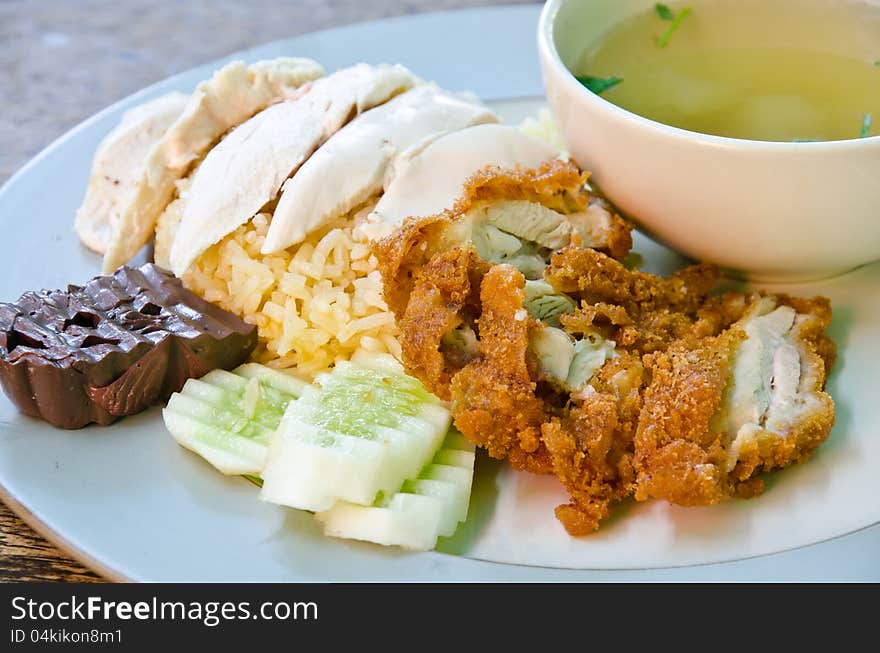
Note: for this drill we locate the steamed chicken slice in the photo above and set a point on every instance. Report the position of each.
(430, 178)
(751, 400)
(356, 163)
(119, 164)
(231, 96)
(247, 169)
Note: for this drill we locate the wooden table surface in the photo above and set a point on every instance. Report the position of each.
(120, 46)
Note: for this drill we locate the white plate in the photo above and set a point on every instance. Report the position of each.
(131, 503)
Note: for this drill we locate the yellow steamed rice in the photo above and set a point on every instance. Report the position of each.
(313, 304)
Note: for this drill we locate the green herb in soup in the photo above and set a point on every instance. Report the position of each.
(772, 70)
(599, 85)
(666, 13)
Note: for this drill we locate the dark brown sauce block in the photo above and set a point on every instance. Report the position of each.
(112, 347)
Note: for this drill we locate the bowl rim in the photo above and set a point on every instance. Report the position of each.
(549, 54)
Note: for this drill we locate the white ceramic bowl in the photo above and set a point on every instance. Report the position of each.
(768, 211)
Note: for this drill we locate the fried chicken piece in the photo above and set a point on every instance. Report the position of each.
(558, 358)
(593, 274)
(679, 456)
(435, 308)
(402, 254)
(721, 411)
(493, 398)
(578, 446)
(558, 186)
(638, 310)
(591, 448)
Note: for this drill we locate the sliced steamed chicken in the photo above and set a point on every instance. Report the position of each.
(429, 178)
(119, 164)
(356, 163)
(247, 169)
(232, 95)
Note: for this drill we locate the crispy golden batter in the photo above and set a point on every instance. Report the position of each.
(601, 278)
(635, 309)
(650, 422)
(436, 306)
(679, 456)
(591, 448)
(493, 398)
(557, 185)
(404, 252)
(686, 454)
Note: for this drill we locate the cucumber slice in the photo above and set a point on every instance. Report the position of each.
(459, 477)
(229, 452)
(413, 524)
(429, 506)
(311, 468)
(228, 417)
(448, 493)
(358, 433)
(411, 442)
(455, 441)
(280, 381)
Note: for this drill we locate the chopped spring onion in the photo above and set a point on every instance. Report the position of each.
(663, 39)
(866, 126)
(599, 85)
